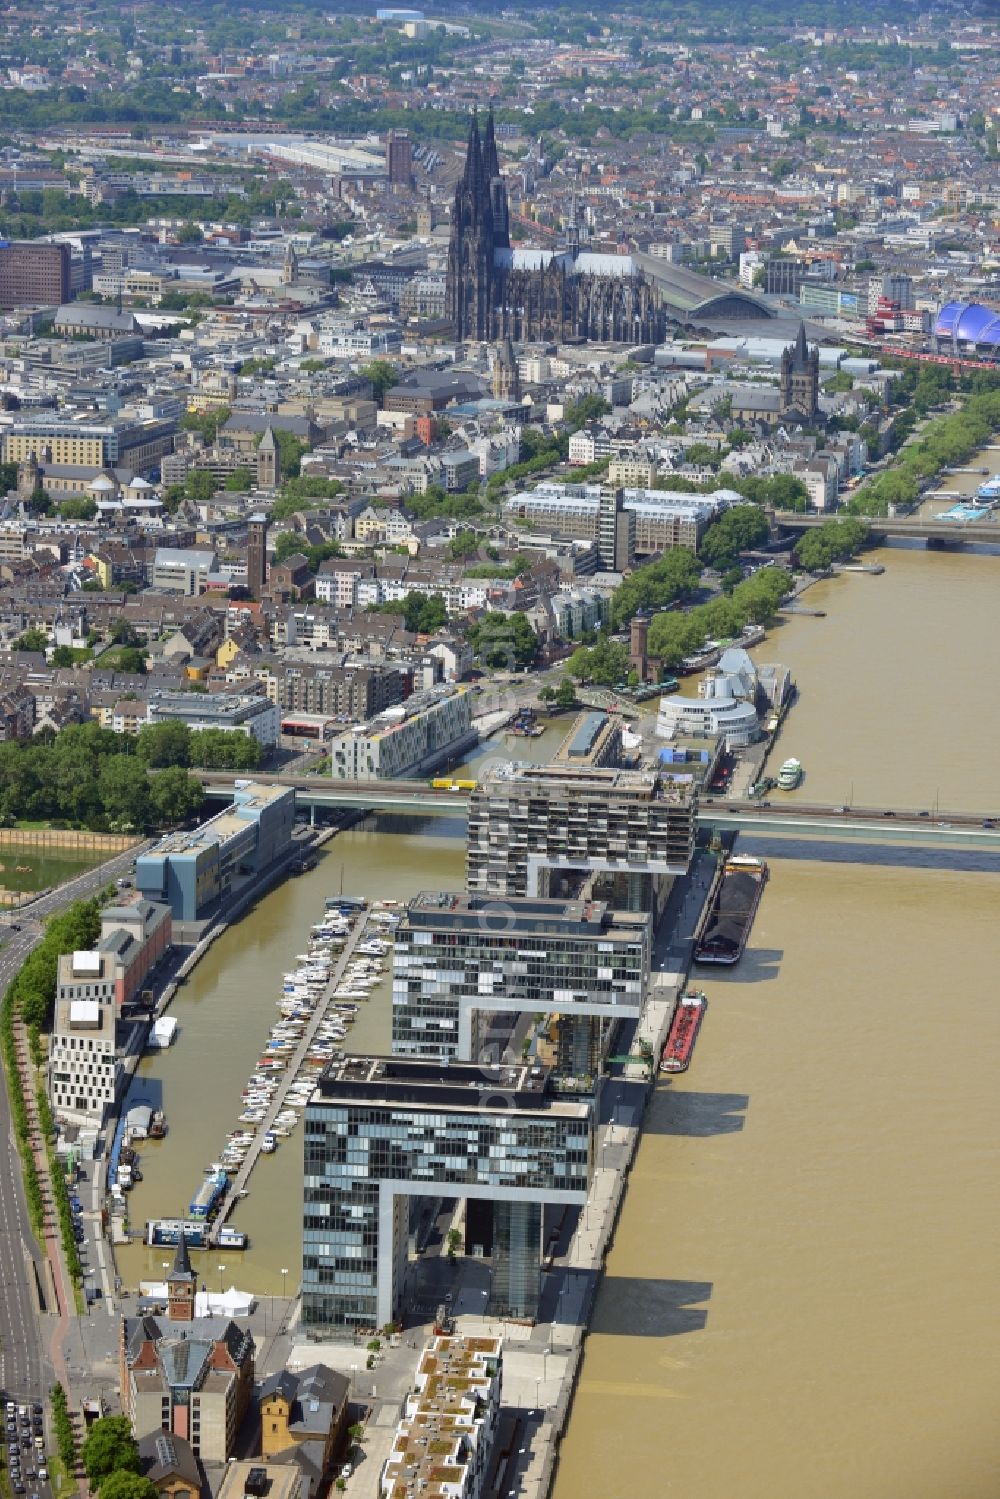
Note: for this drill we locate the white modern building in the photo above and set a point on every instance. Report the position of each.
(407, 739)
(84, 1072)
(445, 1437)
(717, 711)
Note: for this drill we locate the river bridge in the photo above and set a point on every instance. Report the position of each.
(793, 819)
(913, 528)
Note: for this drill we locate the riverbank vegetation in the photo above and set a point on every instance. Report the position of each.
(944, 442)
(834, 541)
(669, 580)
(674, 635)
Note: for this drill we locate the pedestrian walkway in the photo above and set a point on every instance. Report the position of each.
(291, 1074)
(51, 1236)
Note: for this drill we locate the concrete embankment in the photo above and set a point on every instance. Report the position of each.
(623, 1106)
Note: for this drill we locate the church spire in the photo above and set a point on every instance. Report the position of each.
(801, 355)
(182, 1261)
(473, 175)
(491, 162)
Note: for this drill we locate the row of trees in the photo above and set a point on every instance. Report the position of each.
(946, 441)
(675, 635)
(89, 776)
(672, 579)
(606, 662)
(737, 530)
(834, 541)
(111, 1461)
(174, 744)
(33, 991)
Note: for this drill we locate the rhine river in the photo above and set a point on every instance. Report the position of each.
(802, 1292)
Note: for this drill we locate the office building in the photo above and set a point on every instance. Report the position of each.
(592, 512)
(458, 958)
(399, 157)
(136, 933)
(194, 1382)
(233, 712)
(56, 443)
(256, 555)
(193, 871)
(446, 1436)
(616, 531)
(380, 1130)
(533, 828)
(33, 274)
(406, 740)
(84, 1072)
(182, 570)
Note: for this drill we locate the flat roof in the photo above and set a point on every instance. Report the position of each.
(428, 1083)
(516, 914)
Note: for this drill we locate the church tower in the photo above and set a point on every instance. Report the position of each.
(479, 225)
(290, 268)
(268, 462)
(506, 375)
(800, 377)
(181, 1285)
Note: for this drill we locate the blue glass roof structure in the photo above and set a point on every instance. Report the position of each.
(969, 322)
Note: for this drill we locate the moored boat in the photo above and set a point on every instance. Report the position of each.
(722, 934)
(789, 775)
(684, 1028)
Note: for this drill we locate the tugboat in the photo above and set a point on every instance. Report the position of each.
(683, 1032)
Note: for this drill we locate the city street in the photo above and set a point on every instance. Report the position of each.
(24, 1370)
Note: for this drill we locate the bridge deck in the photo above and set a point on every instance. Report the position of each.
(789, 819)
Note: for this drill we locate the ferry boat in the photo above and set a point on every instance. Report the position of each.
(724, 930)
(683, 1032)
(789, 775)
(989, 493)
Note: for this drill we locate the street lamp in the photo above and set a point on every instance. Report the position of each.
(222, 1271)
(284, 1272)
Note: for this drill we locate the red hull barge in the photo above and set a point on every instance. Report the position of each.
(683, 1034)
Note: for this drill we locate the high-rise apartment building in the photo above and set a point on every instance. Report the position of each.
(34, 274)
(380, 1130)
(531, 825)
(458, 958)
(399, 157)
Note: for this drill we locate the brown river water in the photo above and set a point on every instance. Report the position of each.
(802, 1296)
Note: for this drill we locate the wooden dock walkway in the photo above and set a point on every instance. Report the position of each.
(289, 1076)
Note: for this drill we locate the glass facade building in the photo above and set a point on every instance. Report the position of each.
(380, 1130)
(458, 957)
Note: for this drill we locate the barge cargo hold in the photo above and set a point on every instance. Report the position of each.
(684, 1028)
(726, 927)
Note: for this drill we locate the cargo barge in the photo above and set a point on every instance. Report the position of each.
(725, 928)
(683, 1033)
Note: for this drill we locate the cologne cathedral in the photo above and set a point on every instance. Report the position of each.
(495, 292)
